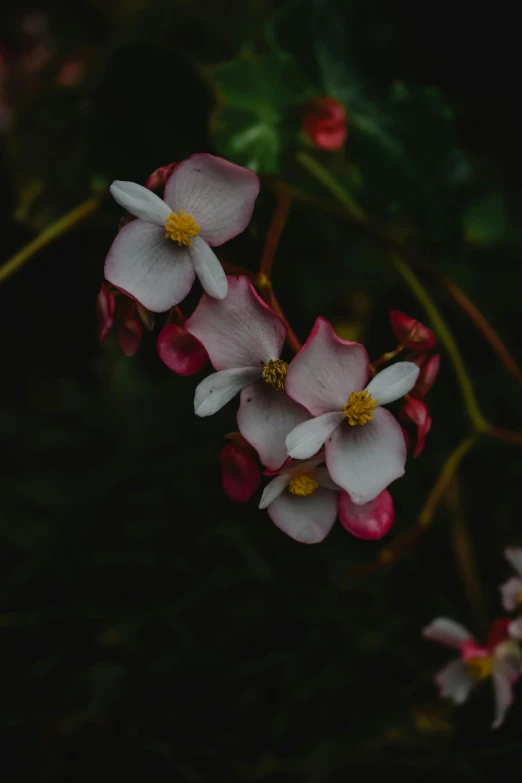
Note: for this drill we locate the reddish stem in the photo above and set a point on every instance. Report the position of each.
(277, 225)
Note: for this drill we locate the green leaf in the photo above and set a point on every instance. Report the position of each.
(486, 221)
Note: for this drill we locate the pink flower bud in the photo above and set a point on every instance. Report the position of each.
(429, 368)
(411, 333)
(240, 472)
(498, 632)
(180, 351)
(371, 520)
(324, 121)
(129, 328)
(105, 306)
(158, 177)
(417, 412)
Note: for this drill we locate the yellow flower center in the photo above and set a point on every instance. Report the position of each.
(360, 408)
(274, 373)
(480, 667)
(302, 486)
(180, 227)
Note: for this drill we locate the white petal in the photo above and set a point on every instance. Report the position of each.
(240, 330)
(393, 382)
(326, 370)
(219, 388)
(515, 629)
(265, 417)
(272, 490)
(454, 682)
(322, 477)
(365, 459)
(219, 195)
(503, 696)
(448, 632)
(308, 519)
(307, 438)
(511, 592)
(140, 202)
(514, 556)
(208, 268)
(152, 269)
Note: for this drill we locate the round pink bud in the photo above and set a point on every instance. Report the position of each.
(158, 177)
(411, 333)
(240, 474)
(180, 351)
(324, 121)
(428, 372)
(371, 520)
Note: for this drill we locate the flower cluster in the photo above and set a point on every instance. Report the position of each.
(499, 658)
(317, 424)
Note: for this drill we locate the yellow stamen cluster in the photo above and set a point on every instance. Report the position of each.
(274, 373)
(360, 408)
(480, 667)
(302, 486)
(180, 227)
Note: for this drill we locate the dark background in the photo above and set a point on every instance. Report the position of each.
(151, 629)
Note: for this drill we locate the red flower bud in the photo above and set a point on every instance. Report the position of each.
(105, 306)
(158, 177)
(240, 474)
(417, 412)
(129, 328)
(324, 121)
(411, 333)
(429, 368)
(180, 351)
(498, 632)
(371, 520)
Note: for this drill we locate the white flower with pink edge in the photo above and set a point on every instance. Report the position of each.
(244, 339)
(500, 659)
(155, 259)
(364, 444)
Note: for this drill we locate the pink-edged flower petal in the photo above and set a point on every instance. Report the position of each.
(511, 592)
(219, 195)
(273, 489)
(513, 555)
(265, 417)
(220, 387)
(129, 327)
(369, 521)
(326, 370)
(140, 202)
(393, 382)
(152, 269)
(208, 268)
(240, 330)
(454, 683)
(105, 306)
(240, 474)
(307, 438)
(365, 459)
(180, 350)
(503, 696)
(305, 519)
(448, 632)
(515, 628)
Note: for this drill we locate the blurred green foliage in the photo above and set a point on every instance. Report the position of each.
(152, 630)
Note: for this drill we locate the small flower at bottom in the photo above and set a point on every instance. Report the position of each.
(411, 333)
(500, 658)
(364, 445)
(244, 339)
(324, 122)
(155, 258)
(512, 589)
(302, 500)
(240, 474)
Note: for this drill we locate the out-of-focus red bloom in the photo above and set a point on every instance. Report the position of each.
(411, 333)
(369, 521)
(417, 412)
(429, 368)
(116, 309)
(158, 177)
(240, 473)
(324, 121)
(180, 351)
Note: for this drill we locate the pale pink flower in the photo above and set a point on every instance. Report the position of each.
(512, 589)
(364, 444)
(155, 259)
(244, 339)
(500, 658)
(302, 500)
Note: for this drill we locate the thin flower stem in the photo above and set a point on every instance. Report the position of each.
(267, 292)
(507, 435)
(279, 218)
(49, 234)
(386, 357)
(407, 541)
